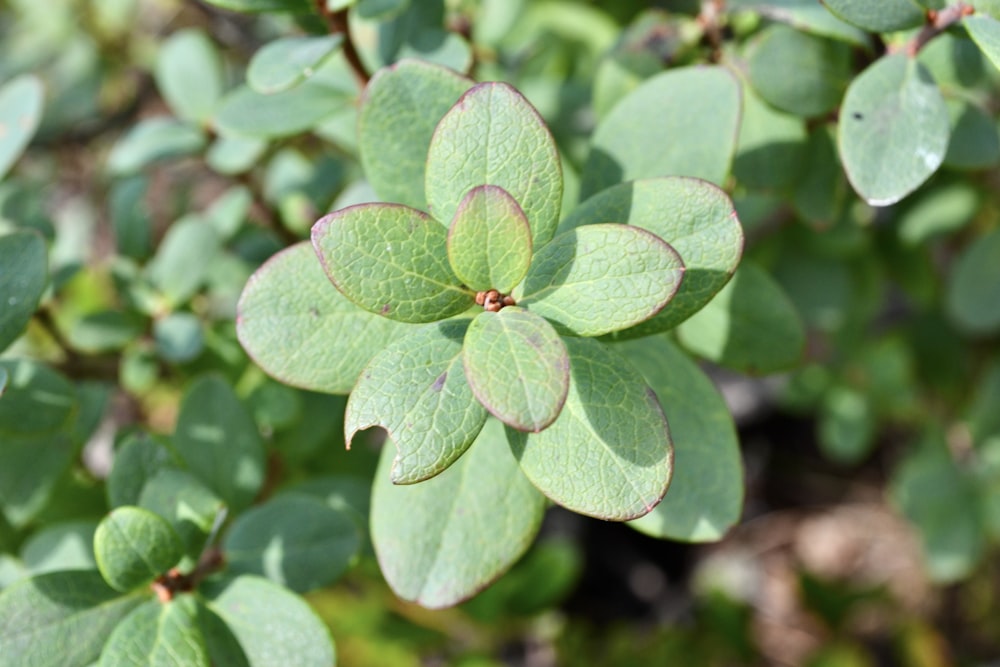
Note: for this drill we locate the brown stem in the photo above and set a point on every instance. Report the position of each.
(337, 21)
(937, 22)
(710, 19)
(173, 582)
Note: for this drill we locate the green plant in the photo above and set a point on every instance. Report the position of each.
(514, 291)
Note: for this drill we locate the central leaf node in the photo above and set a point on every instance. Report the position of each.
(492, 300)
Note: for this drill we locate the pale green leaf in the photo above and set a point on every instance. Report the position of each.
(441, 541)
(254, 6)
(683, 122)
(133, 546)
(893, 130)
(178, 337)
(973, 290)
(609, 454)
(847, 424)
(600, 278)
(59, 619)
(489, 240)
(750, 326)
(390, 260)
(32, 466)
(233, 154)
(984, 31)
(62, 546)
(942, 210)
(517, 367)
(20, 112)
(806, 15)
(284, 63)
(246, 112)
(294, 540)
(182, 262)
(881, 16)
(493, 136)
(771, 147)
(184, 502)
(218, 440)
(696, 218)
(706, 499)
(399, 111)
(158, 635)
(294, 636)
(416, 390)
(152, 140)
(23, 276)
(189, 75)
(302, 330)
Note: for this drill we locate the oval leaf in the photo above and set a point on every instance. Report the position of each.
(301, 330)
(416, 390)
(133, 546)
(32, 466)
(389, 259)
(254, 6)
(401, 107)
(284, 63)
(294, 540)
(20, 112)
(151, 140)
(705, 501)
(517, 367)
(294, 636)
(696, 218)
(493, 136)
(218, 440)
(894, 129)
(59, 618)
(189, 74)
(183, 260)
(984, 31)
(158, 635)
(679, 123)
(974, 286)
(246, 112)
(23, 276)
(38, 400)
(881, 16)
(609, 454)
(751, 326)
(600, 278)
(442, 541)
(489, 241)
(137, 459)
(185, 503)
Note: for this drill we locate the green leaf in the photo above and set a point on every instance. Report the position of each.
(973, 291)
(185, 503)
(489, 241)
(294, 636)
(23, 276)
(750, 326)
(609, 454)
(182, 262)
(20, 112)
(894, 129)
(595, 279)
(517, 367)
(32, 466)
(136, 460)
(942, 210)
(975, 139)
(806, 15)
(416, 390)
(234, 154)
(133, 546)
(217, 438)
(105, 331)
(847, 425)
(399, 111)
(821, 187)
(158, 635)
(381, 9)
(3, 380)
(389, 259)
(254, 6)
(881, 16)
(706, 500)
(284, 63)
(984, 31)
(417, 31)
(697, 220)
(294, 540)
(441, 541)
(683, 122)
(302, 330)
(153, 140)
(771, 146)
(189, 75)
(799, 73)
(246, 112)
(63, 546)
(178, 337)
(38, 400)
(59, 619)
(493, 136)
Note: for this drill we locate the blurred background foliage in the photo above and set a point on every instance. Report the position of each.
(873, 468)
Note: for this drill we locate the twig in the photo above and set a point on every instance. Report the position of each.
(710, 19)
(337, 21)
(937, 22)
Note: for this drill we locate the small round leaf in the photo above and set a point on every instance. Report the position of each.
(133, 546)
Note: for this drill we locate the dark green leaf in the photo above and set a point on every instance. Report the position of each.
(136, 460)
(38, 400)
(23, 276)
(609, 454)
(184, 502)
(975, 140)
(32, 466)
(847, 424)
(133, 546)
(416, 390)
(390, 260)
(973, 296)
(771, 147)
(881, 16)
(441, 541)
